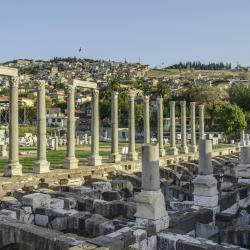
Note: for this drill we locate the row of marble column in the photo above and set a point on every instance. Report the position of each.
(42, 165)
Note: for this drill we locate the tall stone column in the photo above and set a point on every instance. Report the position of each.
(132, 154)
(13, 168)
(146, 120)
(95, 159)
(193, 146)
(184, 148)
(41, 165)
(150, 204)
(115, 156)
(201, 121)
(160, 125)
(71, 162)
(205, 185)
(173, 150)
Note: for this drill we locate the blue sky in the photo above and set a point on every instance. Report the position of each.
(155, 30)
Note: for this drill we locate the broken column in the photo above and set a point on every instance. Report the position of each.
(184, 148)
(160, 125)
(71, 162)
(146, 120)
(201, 122)
(242, 138)
(193, 146)
(150, 204)
(132, 154)
(205, 185)
(95, 159)
(41, 165)
(115, 156)
(243, 169)
(13, 168)
(173, 150)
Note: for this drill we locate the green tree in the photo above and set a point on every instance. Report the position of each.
(231, 119)
(240, 95)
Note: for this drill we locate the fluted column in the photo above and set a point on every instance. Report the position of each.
(184, 148)
(71, 162)
(115, 156)
(41, 165)
(13, 168)
(95, 159)
(146, 120)
(201, 121)
(193, 146)
(132, 154)
(173, 150)
(160, 125)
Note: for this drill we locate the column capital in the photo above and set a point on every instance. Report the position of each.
(40, 84)
(14, 81)
(95, 93)
(183, 103)
(70, 88)
(192, 104)
(115, 94)
(201, 106)
(172, 103)
(146, 98)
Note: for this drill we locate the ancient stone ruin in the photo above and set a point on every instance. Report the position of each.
(192, 197)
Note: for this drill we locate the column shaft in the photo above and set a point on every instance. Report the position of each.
(184, 148)
(193, 146)
(146, 120)
(41, 165)
(201, 121)
(115, 156)
(173, 149)
(95, 159)
(71, 161)
(132, 154)
(160, 126)
(13, 168)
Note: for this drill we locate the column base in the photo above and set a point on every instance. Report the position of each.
(242, 170)
(184, 150)
(70, 163)
(205, 191)
(151, 211)
(13, 169)
(115, 157)
(41, 167)
(193, 148)
(173, 151)
(95, 160)
(132, 156)
(162, 152)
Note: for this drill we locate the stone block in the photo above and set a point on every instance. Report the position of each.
(81, 223)
(41, 220)
(85, 204)
(102, 186)
(69, 202)
(9, 202)
(111, 195)
(130, 210)
(56, 203)
(92, 225)
(36, 200)
(59, 223)
(206, 231)
(8, 213)
(73, 220)
(101, 207)
(106, 228)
